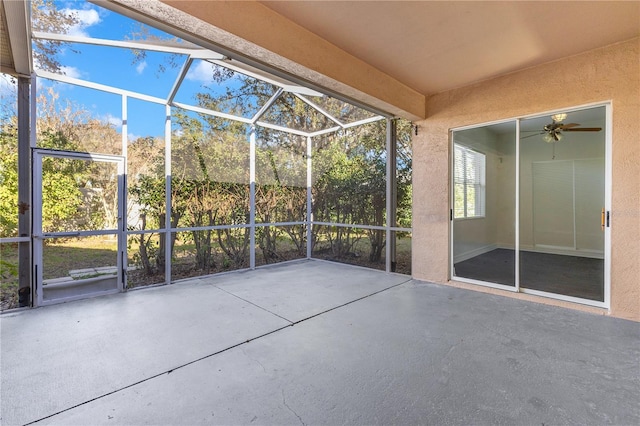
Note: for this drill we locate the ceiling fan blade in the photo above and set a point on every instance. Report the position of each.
(568, 125)
(584, 129)
(537, 134)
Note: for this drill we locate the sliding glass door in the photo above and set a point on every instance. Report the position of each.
(483, 209)
(529, 206)
(562, 204)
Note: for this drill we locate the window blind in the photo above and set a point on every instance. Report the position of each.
(469, 182)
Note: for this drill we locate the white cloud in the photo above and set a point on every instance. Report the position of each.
(141, 66)
(132, 137)
(202, 72)
(72, 72)
(113, 120)
(8, 95)
(86, 18)
(7, 83)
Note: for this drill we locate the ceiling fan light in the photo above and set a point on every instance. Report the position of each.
(547, 138)
(557, 136)
(558, 117)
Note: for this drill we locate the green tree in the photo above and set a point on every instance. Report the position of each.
(146, 201)
(210, 185)
(9, 178)
(210, 174)
(47, 18)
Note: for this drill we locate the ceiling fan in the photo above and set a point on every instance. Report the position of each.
(553, 131)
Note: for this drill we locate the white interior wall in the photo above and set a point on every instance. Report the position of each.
(474, 236)
(506, 236)
(497, 229)
(578, 146)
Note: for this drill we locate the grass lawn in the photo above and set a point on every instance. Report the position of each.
(60, 257)
(78, 253)
(8, 276)
(65, 255)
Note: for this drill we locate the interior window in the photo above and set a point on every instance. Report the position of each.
(469, 182)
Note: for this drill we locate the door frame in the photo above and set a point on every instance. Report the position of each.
(606, 303)
(38, 236)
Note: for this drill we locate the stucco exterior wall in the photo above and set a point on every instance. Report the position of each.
(607, 74)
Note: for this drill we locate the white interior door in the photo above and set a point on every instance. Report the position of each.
(78, 229)
(568, 199)
(553, 204)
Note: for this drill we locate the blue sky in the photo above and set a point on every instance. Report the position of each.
(115, 67)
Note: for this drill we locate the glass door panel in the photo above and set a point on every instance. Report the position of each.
(483, 206)
(562, 200)
(78, 213)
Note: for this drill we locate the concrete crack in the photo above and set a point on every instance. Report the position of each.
(254, 304)
(253, 359)
(284, 401)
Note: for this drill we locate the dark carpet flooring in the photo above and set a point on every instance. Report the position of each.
(567, 275)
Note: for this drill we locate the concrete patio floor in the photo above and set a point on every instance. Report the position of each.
(315, 342)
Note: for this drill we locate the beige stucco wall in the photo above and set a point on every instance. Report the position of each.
(607, 74)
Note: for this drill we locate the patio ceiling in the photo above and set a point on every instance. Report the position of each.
(434, 46)
(15, 45)
(394, 54)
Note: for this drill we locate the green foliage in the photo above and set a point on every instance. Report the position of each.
(210, 182)
(351, 187)
(350, 167)
(8, 276)
(210, 178)
(77, 194)
(8, 180)
(62, 198)
(58, 180)
(7, 270)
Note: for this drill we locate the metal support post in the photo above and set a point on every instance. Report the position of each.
(252, 197)
(24, 190)
(392, 195)
(309, 200)
(167, 187)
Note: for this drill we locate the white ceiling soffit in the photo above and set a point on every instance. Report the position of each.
(15, 33)
(434, 46)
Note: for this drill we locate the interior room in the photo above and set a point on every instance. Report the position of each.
(558, 168)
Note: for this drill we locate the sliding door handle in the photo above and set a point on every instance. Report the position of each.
(602, 219)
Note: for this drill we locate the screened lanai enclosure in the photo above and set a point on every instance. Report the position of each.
(152, 159)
